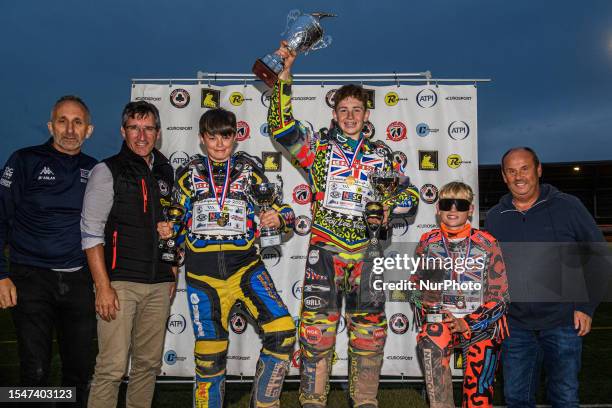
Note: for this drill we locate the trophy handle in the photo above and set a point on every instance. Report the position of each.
(322, 43)
(291, 18)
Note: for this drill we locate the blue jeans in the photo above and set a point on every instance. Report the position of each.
(523, 353)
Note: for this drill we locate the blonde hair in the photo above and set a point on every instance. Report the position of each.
(457, 189)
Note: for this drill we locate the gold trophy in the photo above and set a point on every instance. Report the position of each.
(173, 214)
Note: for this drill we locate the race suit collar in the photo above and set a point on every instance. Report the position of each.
(462, 233)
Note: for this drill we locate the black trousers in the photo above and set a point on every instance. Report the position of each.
(63, 302)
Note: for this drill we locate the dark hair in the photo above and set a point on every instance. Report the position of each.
(71, 98)
(351, 90)
(534, 156)
(139, 110)
(218, 122)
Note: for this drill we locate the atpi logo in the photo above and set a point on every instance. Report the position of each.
(426, 98)
(296, 289)
(270, 255)
(302, 194)
(399, 226)
(265, 98)
(176, 323)
(458, 130)
(179, 98)
(243, 131)
(396, 131)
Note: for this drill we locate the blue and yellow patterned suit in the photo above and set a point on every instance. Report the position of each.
(223, 267)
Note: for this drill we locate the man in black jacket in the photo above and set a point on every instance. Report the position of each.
(49, 285)
(123, 204)
(544, 234)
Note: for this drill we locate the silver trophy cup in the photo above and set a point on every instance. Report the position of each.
(384, 184)
(303, 34)
(264, 195)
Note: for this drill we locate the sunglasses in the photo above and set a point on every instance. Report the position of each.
(446, 204)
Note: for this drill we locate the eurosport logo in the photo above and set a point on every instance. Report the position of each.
(398, 323)
(176, 323)
(296, 289)
(271, 256)
(399, 227)
(171, 358)
(458, 130)
(429, 193)
(179, 128)
(179, 98)
(459, 98)
(265, 98)
(178, 159)
(423, 129)
(238, 323)
(302, 225)
(243, 131)
(396, 131)
(302, 194)
(426, 98)
(148, 98)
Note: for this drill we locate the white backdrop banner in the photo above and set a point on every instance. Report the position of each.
(435, 127)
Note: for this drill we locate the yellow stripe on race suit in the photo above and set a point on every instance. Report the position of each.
(210, 346)
(284, 323)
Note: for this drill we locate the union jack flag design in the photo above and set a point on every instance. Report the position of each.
(339, 167)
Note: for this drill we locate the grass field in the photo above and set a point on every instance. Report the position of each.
(595, 388)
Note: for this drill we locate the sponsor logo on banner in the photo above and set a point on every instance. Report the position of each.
(398, 323)
(211, 98)
(295, 359)
(271, 256)
(426, 227)
(371, 94)
(271, 161)
(240, 358)
(426, 98)
(296, 289)
(148, 98)
(454, 161)
(313, 256)
(178, 159)
(458, 130)
(263, 130)
(171, 358)
(396, 131)
(423, 129)
(179, 98)
(458, 98)
(298, 256)
(329, 98)
(302, 194)
(341, 324)
(176, 323)
(238, 323)
(304, 98)
(368, 130)
(392, 99)
(400, 161)
(429, 193)
(428, 160)
(236, 98)
(408, 358)
(265, 97)
(313, 334)
(243, 131)
(179, 128)
(302, 225)
(399, 226)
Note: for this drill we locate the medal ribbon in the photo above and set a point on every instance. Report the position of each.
(357, 149)
(225, 184)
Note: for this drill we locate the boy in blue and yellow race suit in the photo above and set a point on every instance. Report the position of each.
(222, 264)
(337, 163)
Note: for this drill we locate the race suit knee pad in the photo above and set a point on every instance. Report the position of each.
(279, 337)
(210, 357)
(367, 332)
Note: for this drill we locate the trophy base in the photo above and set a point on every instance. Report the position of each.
(166, 257)
(434, 318)
(265, 73)
(270, 240)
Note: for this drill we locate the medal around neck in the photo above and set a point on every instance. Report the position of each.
(264, 195)
(303, 34)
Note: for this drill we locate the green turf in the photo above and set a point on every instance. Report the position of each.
(595, 377)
